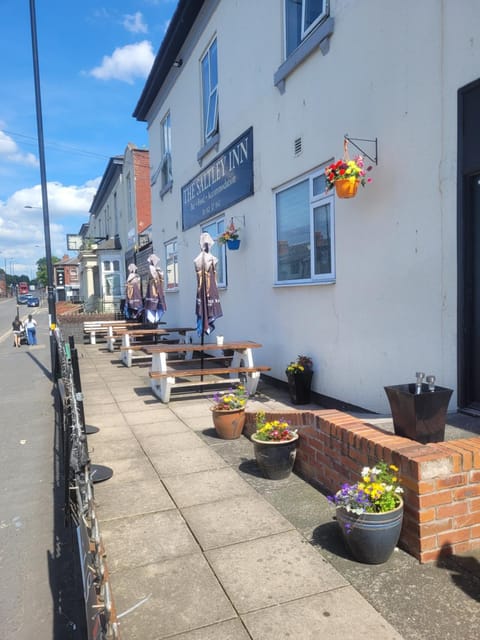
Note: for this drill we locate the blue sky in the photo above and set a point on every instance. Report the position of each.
(94, 58)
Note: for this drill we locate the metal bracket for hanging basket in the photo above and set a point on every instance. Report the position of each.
(375, 142)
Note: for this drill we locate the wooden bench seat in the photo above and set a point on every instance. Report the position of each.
(163, 382)
(104, 328)
(213, 371)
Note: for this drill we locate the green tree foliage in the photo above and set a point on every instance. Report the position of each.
(42, 277)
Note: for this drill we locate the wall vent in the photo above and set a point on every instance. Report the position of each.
(297, 146)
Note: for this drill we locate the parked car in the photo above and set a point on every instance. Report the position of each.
(23, 299)
(33, 301)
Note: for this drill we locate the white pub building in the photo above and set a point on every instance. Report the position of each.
(246, 105)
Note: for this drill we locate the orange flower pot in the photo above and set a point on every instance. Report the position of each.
(346, 188)
(229, 423)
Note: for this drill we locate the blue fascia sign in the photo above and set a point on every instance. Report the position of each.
(225, 181)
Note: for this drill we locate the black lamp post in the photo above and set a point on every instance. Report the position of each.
(52, 319)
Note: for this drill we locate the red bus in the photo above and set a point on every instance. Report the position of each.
(23, 288)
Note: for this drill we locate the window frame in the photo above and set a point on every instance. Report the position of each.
(218, 250)
(304, 32)
(166, 174)
(111, 273)
(314, 201)
(174, 252)
(129, 186)
(208, 132)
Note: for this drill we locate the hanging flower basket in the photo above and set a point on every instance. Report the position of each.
(230, 237)
(347, 188)
(233, 245)
(345, 175)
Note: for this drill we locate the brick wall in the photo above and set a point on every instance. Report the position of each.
(441, 480)
(142, 189)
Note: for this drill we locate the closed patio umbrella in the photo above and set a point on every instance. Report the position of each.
(207, 303)
(133, 294)
(155, 305)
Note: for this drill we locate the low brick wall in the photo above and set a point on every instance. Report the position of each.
(441, 480)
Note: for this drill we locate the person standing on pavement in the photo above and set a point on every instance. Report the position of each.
(31, 327)
(17, 328)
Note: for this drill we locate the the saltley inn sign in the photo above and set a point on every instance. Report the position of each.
(225, 181)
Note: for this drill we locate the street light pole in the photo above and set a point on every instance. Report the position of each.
(43, 180)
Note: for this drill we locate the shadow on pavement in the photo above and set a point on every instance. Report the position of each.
(40, 365)
(464, 571)
(63, 562)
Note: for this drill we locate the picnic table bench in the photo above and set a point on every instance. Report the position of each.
(104, 328)
(164, 378)
(132, 340)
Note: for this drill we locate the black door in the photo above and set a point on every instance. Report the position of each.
(468, 186)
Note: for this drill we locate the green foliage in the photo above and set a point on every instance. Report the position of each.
(42, 276)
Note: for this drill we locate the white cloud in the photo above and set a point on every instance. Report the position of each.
(134, 23)
(10, 152)
(21, 229)
(126, 63)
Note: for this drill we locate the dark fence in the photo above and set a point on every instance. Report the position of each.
(79, 477)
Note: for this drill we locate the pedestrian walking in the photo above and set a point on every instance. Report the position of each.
(31, 327)
(17, 328)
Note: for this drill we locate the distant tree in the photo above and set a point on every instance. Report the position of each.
(42, 277)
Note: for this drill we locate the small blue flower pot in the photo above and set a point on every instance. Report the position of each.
(233, 245)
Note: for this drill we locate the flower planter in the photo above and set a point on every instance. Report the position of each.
(233, 245)
(419, 416)
(275, 457)
(371, 537)
(347, 188)
(229, 423)
(299, 385)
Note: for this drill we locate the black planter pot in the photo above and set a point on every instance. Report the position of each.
(419, 416)
(299, 385)
(275, 459)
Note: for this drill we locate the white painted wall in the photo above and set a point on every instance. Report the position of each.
(392, 72)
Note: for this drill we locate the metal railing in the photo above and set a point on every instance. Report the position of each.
(79, 505)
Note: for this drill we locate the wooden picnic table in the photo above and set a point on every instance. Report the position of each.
(105, 328)
(130, 337)
(164, 377)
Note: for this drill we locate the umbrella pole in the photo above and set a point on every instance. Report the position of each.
(205, 310)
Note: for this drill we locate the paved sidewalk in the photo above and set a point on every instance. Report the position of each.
(201, 547)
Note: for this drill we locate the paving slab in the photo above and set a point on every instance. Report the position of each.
(102, 448)
(141, 405)
(130, 470)
(146, 538)
(230, 630)
(206, 486)
(155, 427)
(95, 411)
(198, 423)
(189, 410)
(95, 397)
(272, 570)
(189, 460)
(340, 613)
(117, 431)
(157, 444)
(181, 595)
(134, 417)
(226, 522)
(115, 501)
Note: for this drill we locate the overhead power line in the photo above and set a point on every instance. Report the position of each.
(32, 141)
